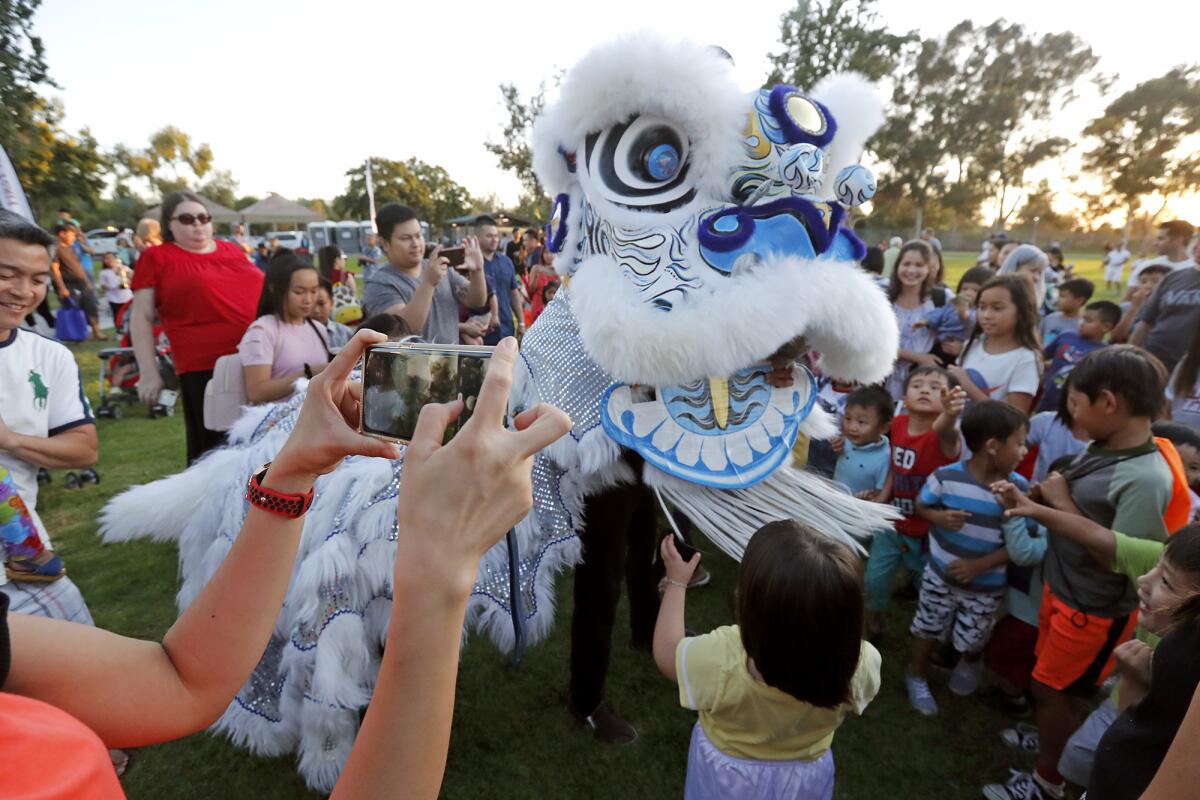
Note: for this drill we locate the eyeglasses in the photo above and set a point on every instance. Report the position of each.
(192, 219)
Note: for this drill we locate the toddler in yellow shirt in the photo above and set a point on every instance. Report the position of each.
(772, 689)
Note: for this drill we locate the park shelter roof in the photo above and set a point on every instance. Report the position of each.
(277, 208)
(503, 218)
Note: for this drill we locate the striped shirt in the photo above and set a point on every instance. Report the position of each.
(954, 487)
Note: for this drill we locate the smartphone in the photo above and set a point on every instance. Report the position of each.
(455, 255)
(686, 551)
(400, 378)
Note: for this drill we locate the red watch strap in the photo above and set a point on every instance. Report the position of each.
(291, 506)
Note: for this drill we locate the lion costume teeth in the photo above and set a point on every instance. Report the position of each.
(702, 230)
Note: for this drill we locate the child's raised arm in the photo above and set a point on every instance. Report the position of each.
(668, 630)
(1099, 540)
(946, 424)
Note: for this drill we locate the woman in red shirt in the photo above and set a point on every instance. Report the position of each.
(205, 293)
(539, 275)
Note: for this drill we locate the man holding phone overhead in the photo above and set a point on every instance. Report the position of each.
(426, 295)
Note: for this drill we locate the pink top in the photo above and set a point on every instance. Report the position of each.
(287, 348)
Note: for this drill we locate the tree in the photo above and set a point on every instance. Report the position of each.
(826, 36)
(427, 189)
(58, 169)
(967, 115)
(170, 163)
(1142, 145)
(515, 152)
(220, 187)
(22, 70)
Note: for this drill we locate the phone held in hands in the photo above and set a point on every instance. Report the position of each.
(456, 256)
(400, 378)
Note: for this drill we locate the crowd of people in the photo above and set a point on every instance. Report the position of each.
(1041, 448)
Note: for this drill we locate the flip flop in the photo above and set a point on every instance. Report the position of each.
(26, 572)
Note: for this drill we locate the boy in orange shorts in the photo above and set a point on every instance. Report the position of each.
(1123, 483)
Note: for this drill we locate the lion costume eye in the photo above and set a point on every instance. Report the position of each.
(641, 164)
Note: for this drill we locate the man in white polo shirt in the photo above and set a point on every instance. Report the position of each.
(45, 418)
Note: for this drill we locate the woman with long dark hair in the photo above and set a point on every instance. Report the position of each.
(911, 291)
(204, 292)
(284, 344)
(332, 263)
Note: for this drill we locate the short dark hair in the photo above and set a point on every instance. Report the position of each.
(484, 219)
(1127, 372)
(1079, 287)
(990, 419)
(326, 286)
(801, 592)
(169, 204)
(873, 261)
(389, 325)
(1154, 269)
(391, 215)
(1108, 311)
(874, 397)
(61, 226)
(929, 369)
(1178, 433)
(531, 233)
(1178, 228)
(64, 211)
(14, 226)
(976, 275)
(278, 281)
(1182, 551)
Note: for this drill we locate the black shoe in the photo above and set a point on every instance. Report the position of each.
(606, 725)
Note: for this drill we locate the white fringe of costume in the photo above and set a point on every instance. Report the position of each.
(628, 351)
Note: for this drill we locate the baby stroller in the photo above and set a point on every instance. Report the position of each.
(119, 373)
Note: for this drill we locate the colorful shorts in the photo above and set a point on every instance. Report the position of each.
(967, 616)
(1074, 649)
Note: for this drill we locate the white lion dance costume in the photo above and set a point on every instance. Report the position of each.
(701, 228)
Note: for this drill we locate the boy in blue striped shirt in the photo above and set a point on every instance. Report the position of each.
(963, 585)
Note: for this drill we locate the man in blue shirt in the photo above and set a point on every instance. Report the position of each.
(502, 280)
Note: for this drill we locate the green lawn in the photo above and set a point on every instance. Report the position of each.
(512, 736)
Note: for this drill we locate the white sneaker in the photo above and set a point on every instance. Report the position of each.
(919, 695)
(964, 680)
(1023, 737)
(1022, 786)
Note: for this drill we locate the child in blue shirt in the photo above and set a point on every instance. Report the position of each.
(864, 467)
(963, 586)
(1065, 351)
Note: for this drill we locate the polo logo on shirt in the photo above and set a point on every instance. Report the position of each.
(41, 395)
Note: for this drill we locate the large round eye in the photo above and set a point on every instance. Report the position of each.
(801, 118)
(641, 164)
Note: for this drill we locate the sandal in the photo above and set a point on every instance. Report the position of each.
(26, 571)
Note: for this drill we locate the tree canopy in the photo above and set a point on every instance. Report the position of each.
(427, 189)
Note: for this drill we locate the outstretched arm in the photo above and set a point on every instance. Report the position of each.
(1100, 541)
(446, 525)
(133, 692)
(668, 630)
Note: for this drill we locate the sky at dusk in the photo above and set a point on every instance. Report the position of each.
(292, 95)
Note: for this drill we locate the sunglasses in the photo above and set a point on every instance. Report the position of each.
(192, 219)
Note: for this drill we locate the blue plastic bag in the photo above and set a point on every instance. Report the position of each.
(70, 324)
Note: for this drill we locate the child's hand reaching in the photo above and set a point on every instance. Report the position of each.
(954, 401)
(1015, 503)
(1134, 659)
(1056, 492)
(678, 570)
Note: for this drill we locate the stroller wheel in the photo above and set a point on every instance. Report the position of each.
(89, 475)
(71, 481)
(104, 411)
(115, 412)
(43, 475)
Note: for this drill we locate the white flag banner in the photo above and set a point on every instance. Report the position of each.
(12, 196)
(370, 194)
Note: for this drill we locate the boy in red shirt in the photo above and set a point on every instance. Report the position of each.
(924, 438)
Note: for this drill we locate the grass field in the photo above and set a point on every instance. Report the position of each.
(512, 736)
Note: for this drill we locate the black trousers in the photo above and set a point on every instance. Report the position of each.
(619, 537)
(191, 393)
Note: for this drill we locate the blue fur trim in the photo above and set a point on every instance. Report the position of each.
(778, 105)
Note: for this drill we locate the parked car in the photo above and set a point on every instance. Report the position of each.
(293, 240)
(103, 240)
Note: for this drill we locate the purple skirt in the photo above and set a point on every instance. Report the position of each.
(713, 775)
